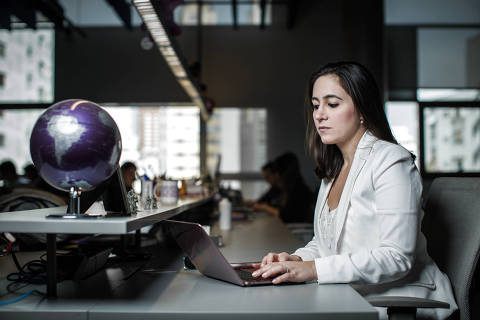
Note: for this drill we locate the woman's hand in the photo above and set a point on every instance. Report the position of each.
(288, 271)
(263, 207)
(278, 257)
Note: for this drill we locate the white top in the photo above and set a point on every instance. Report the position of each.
(327, 226)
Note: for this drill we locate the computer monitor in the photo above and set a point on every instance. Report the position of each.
(113, 194)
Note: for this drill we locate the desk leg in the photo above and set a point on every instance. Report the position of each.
(51, 265)
(138, 239)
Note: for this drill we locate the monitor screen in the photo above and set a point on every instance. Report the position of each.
(113, 194)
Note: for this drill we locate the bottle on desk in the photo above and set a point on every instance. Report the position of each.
(225, 208)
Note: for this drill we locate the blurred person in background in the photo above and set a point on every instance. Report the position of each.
(297, 200)
(8, 177)
(273, 195)
(30, 174)
(129, 174)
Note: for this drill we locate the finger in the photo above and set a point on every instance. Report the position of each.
(261, 271)
(283, 256)
(269, 258)
(264, 260)
(274, 269)
(286, 277)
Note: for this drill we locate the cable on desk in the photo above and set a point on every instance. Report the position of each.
(32, 272)
(23, 296)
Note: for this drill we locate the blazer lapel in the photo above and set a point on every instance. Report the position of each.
(320, 204)
(361, 155)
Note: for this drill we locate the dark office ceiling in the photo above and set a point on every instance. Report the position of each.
(33, 14)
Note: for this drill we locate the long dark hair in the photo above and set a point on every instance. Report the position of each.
(360, 85)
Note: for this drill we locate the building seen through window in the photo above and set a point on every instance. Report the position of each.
(239, 137)
(26, 65)
(220, 12)
(162, 140)
(451, 140)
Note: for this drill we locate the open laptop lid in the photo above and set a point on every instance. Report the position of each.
(202, 251)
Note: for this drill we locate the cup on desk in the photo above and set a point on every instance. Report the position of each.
(167, 191)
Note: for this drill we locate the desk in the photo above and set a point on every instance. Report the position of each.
(174, 293)
(35, 221)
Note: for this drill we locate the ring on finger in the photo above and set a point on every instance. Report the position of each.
(287, 271)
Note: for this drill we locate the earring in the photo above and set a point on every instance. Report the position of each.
(361, 121)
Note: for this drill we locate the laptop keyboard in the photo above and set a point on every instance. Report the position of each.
(247, 276)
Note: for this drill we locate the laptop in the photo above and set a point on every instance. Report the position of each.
(207, 258)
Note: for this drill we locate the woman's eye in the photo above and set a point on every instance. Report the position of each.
(315, 106)
(333, 105)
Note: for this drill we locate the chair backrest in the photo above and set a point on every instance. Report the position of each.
(29, 198)
(452, 228)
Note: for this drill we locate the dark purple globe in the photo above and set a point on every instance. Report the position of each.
(75, 143)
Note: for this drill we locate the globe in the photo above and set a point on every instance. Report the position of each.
(75, 143)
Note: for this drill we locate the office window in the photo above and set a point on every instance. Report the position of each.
(28, 57)
(414, 12)
(445, 94)
(448, 57)
(403, 119)
(220, 13)
(239, 137)
(451, 139)
(161, 140)
(15, 128)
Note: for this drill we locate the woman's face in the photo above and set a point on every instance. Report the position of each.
(334, 114)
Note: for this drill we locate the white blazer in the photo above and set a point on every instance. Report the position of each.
(379, 247)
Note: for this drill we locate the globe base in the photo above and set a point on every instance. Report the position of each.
(73, 210)
(74, 216)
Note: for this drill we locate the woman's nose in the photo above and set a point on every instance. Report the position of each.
(319, 113)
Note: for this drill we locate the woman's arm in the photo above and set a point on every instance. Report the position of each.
(266, 208)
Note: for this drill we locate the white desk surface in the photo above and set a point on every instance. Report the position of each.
(173, 293)
(35, 221)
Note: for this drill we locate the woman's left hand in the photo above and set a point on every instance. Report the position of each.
(288, 271)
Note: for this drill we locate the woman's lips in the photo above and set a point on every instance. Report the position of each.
(323, 128)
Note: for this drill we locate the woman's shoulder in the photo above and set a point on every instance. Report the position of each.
(391, 150)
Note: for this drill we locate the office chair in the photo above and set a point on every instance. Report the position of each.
(25, 198)
(452, 227)
(29, 198)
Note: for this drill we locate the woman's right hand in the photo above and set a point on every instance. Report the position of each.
(278, 257)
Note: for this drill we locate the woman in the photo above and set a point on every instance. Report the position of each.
(368, 214)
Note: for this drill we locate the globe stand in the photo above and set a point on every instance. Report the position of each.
(73, 210)
(74, 201)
